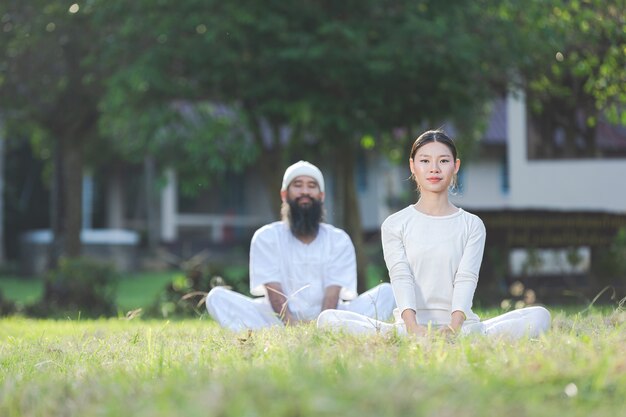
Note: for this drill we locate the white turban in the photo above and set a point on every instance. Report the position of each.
(302, 168)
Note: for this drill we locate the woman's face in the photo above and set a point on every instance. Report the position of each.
(433, 167)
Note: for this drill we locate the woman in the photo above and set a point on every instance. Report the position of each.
(433, 251)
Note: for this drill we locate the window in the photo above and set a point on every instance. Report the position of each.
(557, 262)
(504, 175)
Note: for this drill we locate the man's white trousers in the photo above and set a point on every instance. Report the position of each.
(238, 312)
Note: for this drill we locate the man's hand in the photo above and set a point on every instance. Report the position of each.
(278, 301)
(331, 297)
(288, 318)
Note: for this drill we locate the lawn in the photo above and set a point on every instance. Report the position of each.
(137, 290)
(119, 367)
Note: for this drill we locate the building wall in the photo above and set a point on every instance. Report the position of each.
(559, 184)
(482, 185)
(584, 185)
(374, 190)
(572, 185)
(383, 188)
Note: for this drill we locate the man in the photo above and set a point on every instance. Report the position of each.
(300, 265)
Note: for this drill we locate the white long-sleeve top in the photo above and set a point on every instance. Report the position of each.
(433, 262)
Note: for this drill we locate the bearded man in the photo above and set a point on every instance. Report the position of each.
(300, 266)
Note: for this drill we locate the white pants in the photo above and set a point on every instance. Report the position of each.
(525, 322)
(238, 312)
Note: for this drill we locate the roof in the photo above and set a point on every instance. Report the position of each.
(496, 127)
(609, 137)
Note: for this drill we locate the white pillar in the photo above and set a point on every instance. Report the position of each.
(169, 207)
(87, 200)
(115, 201)
(517, 146)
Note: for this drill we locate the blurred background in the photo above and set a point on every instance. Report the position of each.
(149, 138)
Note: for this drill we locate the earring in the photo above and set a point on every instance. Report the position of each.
(454, 186)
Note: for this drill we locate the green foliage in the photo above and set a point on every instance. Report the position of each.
(46, 81)
(583, 56)
(609, 265)
(358, 69)
(7, 307)
(50, 86)
(79, 285)
(201, 141)
(573, 71)
(297, 73)
(184, 295)
(154, 100)
(193, 368)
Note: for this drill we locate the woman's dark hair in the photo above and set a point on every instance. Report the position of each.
(433, 136)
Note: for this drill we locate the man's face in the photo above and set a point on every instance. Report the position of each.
(303, 201)
(303, 190)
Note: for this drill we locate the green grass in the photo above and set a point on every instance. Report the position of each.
(134, 290)
(22, 290)
(193, 368)
(141, 290)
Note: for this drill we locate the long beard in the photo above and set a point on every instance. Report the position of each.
(304, 221)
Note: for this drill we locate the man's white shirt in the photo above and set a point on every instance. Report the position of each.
(303, 270)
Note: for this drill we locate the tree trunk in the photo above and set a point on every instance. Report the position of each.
(271, 167)
(271, 171)
(152, 225)
(57, 209)
(350, 218)
(73, 196)
(2, 257)
(66, 201)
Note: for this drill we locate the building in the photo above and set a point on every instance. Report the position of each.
(551, 222)
(546, 218)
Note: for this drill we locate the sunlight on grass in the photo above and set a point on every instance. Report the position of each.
(194, 368)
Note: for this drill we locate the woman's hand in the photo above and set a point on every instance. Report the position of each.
(456, 322)
(412, 327)
(418, 330)
(447, 331)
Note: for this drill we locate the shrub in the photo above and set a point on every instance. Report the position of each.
(184, 296)
(7, 307)
(609, 264)
(80, 285)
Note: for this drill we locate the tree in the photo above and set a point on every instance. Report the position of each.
(48, 86)
(53, 75)
(316, 76)
(574, 74)
(2, 153)
(176, 85)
